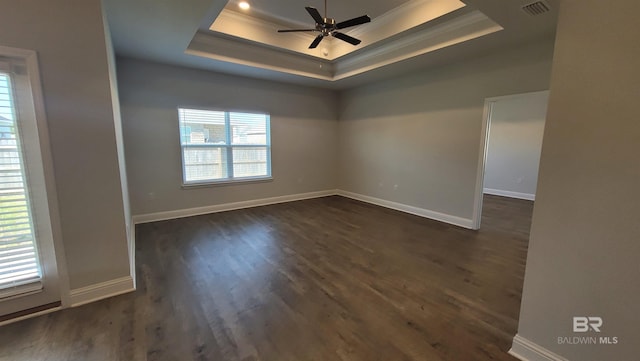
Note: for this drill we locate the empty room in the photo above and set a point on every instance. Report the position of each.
(438, 180)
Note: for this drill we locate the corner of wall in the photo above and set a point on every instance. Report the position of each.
(102, 290)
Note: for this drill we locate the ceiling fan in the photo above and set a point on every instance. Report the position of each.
(327, 26)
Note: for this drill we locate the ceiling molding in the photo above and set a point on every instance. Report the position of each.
(409, 15)
(461, 26)
(235, 24)
(403, 18)
(232, 50)
(400, 19)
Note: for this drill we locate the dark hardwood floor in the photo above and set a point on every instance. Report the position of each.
(323, 279)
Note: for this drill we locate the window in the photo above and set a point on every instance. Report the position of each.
(19, 263)
(28, 263)
(219, 146)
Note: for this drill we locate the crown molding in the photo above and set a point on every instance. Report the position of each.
(261, 31)
(402, 18)
(397, 20)
(212, 46)
(463, 28)
(255, 47)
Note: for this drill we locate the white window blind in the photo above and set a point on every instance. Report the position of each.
(219, 146)
(19, 263)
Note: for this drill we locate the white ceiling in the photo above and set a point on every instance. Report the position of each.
(404, 35)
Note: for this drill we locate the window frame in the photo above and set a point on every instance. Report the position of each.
(39, 178)
(229, 150)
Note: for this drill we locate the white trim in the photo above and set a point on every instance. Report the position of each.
(225, 181)
(482, 162)
(510, 194)
(180, 213)
(25, 289)
(50, 179)
(30, 315)
(99, 291)
(202, 44)
(515, 96)
(526, 350)
(132, 253)
(463, 28)
(59, 277)
(426, 213)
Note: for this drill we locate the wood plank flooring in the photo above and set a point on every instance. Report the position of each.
(322, 279)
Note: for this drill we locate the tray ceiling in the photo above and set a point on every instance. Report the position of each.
(403, 35)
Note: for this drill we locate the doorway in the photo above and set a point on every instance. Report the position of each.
(513, 129)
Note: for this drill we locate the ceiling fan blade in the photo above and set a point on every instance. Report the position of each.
(316, 41)
(353, 22)
(295, 30)
(349, 39)
(315, 14)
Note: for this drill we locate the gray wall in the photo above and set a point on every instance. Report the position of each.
(117, 122)
(303, 134)
(70, 40)
(514, 144)
(422, 132)
(585, 236)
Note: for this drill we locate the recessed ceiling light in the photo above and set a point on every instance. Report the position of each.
(244, 5)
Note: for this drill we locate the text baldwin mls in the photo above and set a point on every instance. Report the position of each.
(587, 324)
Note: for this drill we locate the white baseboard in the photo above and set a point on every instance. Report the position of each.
(180, 213)
(526, 350)
(426, 213)
(99, 291)
(510, 194)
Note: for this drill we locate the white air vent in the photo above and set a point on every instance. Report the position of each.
(536, 8)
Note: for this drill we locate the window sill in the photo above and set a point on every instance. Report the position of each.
(226, 182)
(28, 288)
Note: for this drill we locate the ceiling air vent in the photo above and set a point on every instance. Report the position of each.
(536, 8)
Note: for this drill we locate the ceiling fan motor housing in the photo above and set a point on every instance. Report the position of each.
(328, 25)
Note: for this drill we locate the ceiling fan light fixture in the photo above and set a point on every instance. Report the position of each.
(327, 26)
